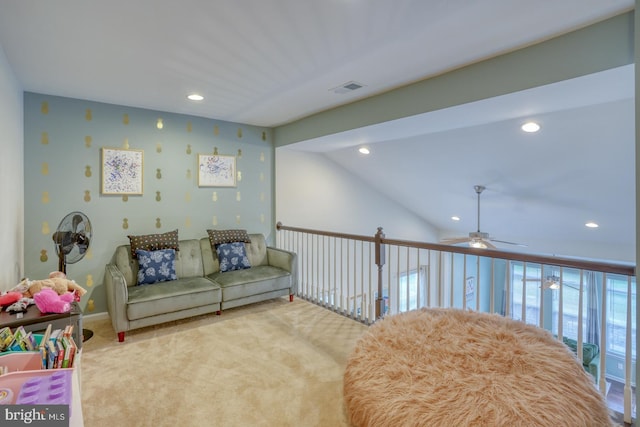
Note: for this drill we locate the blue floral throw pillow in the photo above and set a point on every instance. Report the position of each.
(232, 256)
(156, 266)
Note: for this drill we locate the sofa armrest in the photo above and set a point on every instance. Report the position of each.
(117, 297)
(594, 368)
(287, 261)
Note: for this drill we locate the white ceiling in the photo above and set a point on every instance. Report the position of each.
(270, 62)
(541, 188)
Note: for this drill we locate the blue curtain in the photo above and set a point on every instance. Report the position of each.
(593, 309)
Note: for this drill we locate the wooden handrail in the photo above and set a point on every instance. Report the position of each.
(625, 269)
(280, 226)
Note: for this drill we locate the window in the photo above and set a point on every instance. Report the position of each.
(526, 283)
(412, 288)
(525, 291)
(616, 303)
(570, 307)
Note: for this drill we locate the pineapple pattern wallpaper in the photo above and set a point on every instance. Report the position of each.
(64, 138)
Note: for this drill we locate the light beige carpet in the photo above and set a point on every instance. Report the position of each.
(270, 364)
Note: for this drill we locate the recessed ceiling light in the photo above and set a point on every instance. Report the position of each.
(195, 97)
(530, 127)
(455, 218)
(364, 150)
(591, 224)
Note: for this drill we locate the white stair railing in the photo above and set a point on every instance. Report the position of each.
(366, 277)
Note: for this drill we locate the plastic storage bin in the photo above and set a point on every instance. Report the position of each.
(28, 383)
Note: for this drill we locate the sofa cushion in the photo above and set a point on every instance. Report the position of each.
(256, 252)
(156, 266)
(232, 256)
(168, 297)
(252, 281)
(589, 351)
(217, 237)
(189, 259)
(152, 242)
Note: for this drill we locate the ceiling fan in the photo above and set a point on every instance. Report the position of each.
(552, 282)
(478, 239)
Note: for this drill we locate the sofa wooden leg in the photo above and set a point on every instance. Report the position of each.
(219, 312)
(291, 298)
(120, 336)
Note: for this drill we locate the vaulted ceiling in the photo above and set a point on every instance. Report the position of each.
(271, 62)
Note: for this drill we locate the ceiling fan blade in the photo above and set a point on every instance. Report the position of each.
(454, 240)
(489, 244)
(510, 243)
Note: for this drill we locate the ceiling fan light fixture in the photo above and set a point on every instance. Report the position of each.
(477, 243)
(552, 282)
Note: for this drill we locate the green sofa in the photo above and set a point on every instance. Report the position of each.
(590, 356)
(200, 288)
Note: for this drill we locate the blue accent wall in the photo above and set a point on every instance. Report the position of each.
(63, 138)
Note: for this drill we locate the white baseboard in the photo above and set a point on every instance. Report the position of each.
(96, 316)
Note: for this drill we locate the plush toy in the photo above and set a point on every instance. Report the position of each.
(9, 298)
(56, 281)
(48, 301)
(20, 306)
(57, 275)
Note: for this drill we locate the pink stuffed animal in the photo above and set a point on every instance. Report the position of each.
(48, 301)
(9, 298)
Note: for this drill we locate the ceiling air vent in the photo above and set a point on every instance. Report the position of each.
(347, 87)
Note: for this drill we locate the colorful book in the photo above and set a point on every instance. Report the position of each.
(55, 334)
(68, 330)
(6, 337)
(59, 354)
(42, 347)
(20, 332)
(52, 354)
(67, 351)
(29, 342)
(73, 349)
(18, 344)
(46, 335)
